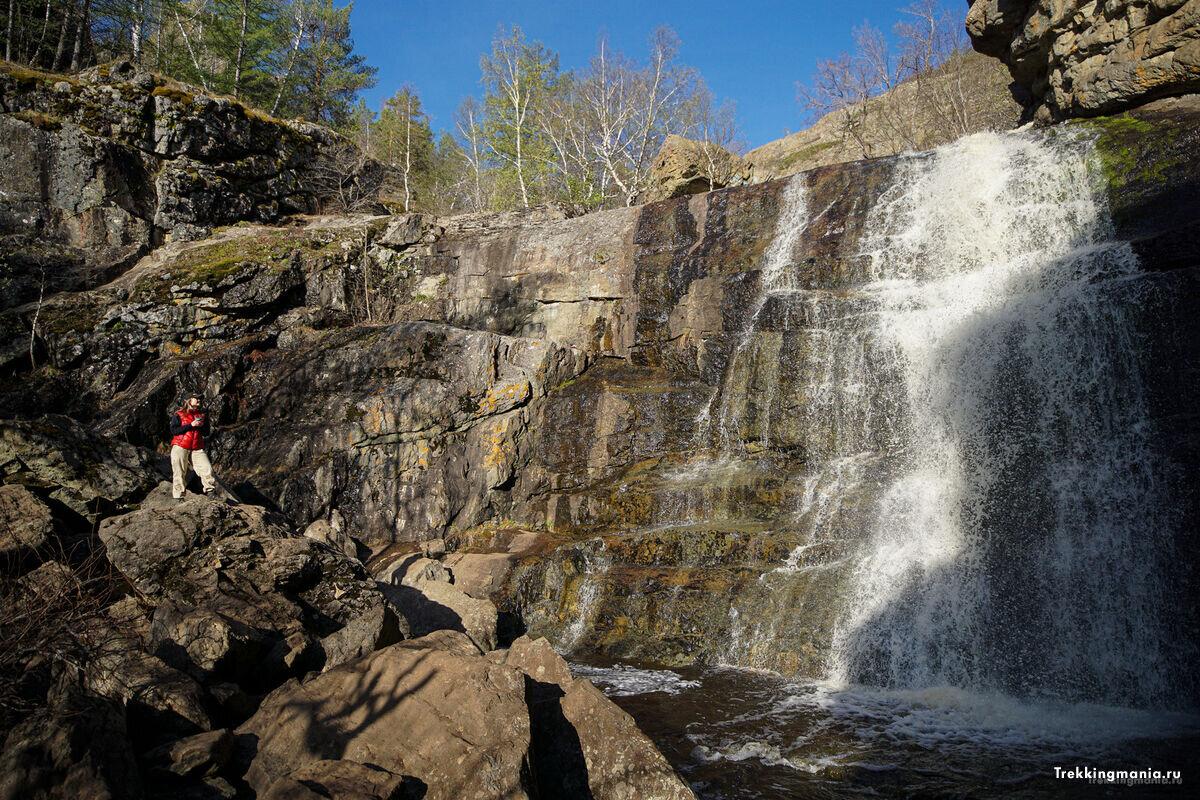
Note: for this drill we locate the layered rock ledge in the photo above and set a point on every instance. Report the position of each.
(1083, 58)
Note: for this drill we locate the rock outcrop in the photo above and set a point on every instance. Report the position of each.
(102, 166)
(90, 474)
(684, 167)
(258, 661)
(1081, 58)
(242, 598)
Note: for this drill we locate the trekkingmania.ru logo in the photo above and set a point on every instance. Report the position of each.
(1132, 777)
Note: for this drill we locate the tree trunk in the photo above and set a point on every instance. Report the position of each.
(301, 21)
(81, 32)
(60, 51)
(407, 152)
(8, 33)
(137, 31)
(37, 50)
(195, 62)
(241, 50)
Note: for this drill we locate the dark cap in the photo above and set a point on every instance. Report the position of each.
(190, 395)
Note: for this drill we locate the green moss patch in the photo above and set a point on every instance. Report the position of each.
(37, 119)
(80, 315)
(211, 264)
(804, 154)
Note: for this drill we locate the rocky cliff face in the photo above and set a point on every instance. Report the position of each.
(1077, 58)
(103, 166)
(429, 380)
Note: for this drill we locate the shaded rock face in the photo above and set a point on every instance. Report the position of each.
(77, 749)
(583, 744)
(1071, 58)
(100, 167)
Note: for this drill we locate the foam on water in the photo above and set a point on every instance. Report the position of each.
(810, 726)
(623, 680)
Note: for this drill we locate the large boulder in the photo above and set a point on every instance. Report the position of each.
(1071, 58)
(684, 167)
(421, 589)
(26, 524)
(241, 598)
(91, 474)
(583, 744)
(455, 722)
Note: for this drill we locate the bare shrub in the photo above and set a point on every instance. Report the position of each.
(50, 616)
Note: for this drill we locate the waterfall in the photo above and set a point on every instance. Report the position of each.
(1021, 542)
(777, 279)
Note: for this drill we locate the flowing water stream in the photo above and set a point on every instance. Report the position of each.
(1009, 600)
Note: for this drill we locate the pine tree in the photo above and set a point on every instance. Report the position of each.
(327, 72)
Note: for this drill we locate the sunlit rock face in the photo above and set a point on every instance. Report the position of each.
(102, 166)
(1074, 58)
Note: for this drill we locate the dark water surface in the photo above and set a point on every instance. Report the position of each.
(743, 735)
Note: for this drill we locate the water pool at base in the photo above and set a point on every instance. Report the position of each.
(737, 734)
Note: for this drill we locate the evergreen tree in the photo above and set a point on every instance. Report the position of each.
(517, 78)
(404, 142)
(246, 34)
(327, 72)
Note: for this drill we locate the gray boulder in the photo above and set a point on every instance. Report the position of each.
(26, 524)
(90, 474)
(100, 163)
(240, 598)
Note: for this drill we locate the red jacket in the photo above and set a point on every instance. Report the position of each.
(184, 435)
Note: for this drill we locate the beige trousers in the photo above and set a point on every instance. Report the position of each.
(179, 468)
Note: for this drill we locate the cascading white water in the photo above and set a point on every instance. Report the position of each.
(974, 419)
(777, 279)
(1019, 546)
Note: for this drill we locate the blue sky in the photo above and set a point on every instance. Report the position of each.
(751, 52)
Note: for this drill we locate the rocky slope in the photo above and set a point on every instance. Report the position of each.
(253, 661)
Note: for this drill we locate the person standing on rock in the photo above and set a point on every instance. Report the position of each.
(189, 426)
